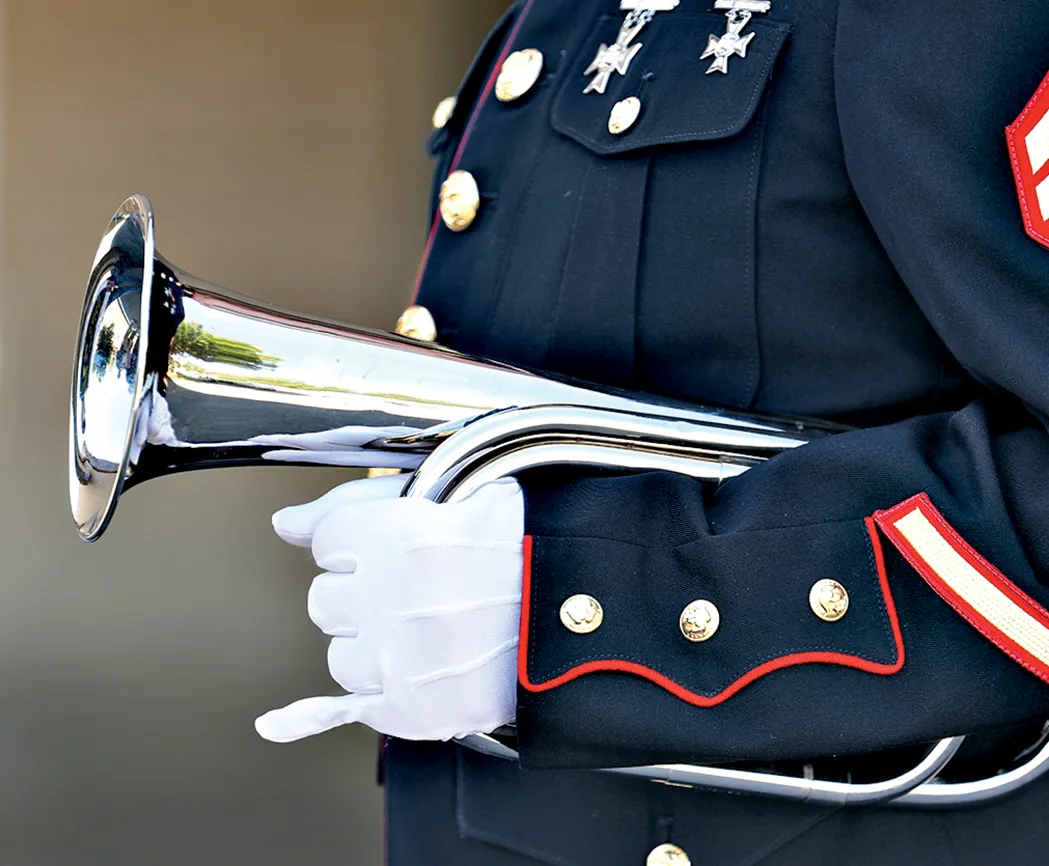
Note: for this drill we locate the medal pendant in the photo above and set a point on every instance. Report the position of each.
(732, 42)
(618, 56)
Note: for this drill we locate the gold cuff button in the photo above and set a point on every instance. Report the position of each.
(417, 323)
(667, 855)
(624, 115)
(443, 112)
(699, 621)
(582, 614)
(460, 200)
(829, 600)
(519, 73)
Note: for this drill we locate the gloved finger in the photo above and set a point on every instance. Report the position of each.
(363, 459)
(494, 512)
(354, 663)
(296, 523)
(501, 488)
(336, 603)
(332, 440)
(314, 716)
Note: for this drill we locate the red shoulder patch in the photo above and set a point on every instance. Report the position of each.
(1028, 139)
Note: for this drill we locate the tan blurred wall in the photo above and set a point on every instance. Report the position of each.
(281, 144)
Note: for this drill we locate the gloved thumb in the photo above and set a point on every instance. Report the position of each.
(313, 716)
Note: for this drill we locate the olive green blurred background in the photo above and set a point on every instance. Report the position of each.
(281, 142)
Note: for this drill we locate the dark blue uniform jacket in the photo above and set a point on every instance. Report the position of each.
(832, 230)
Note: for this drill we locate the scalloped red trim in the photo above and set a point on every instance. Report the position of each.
(679, 691)
(1027, 180)
(887, 522)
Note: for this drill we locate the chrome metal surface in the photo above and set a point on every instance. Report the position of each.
(766, 784)
(947, 795)
(110, 365)
(800, 788)
(709, 446)
(172, 374)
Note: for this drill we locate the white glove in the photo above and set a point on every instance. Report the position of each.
(423, 603)
(343, 446)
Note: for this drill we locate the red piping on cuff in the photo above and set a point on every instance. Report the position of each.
(887, 522)
(679, 691)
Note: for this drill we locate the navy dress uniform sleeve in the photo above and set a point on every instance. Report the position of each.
(885, 586)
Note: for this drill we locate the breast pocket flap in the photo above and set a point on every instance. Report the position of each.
(681, 101)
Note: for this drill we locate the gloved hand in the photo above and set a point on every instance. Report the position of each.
(423, 603)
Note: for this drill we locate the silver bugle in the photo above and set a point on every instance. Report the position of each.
(173, 374)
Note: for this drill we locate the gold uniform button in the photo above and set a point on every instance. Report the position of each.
(699, 621)
(460, 200)
(519, 73)
(829, 600)
(417, 322)
(667, 855)
(443, 112)
(624, 115)
(582, 614)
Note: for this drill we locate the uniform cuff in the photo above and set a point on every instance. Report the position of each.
(593, 605)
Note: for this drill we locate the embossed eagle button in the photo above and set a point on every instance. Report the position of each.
(699, 621)
(460, 200)
(667, 855)
(829, 600)
(582, 614)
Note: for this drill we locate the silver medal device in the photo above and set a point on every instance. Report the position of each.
(732, 42)
(617, 57)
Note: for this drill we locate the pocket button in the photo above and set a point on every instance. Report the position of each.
(667, 855)
(624, 115)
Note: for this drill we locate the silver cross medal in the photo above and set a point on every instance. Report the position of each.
(618, 56)
(721, 48)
